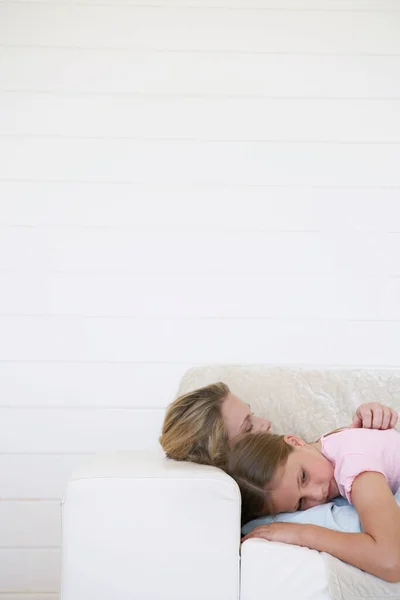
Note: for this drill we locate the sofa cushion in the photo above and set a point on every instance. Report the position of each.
(270, 570)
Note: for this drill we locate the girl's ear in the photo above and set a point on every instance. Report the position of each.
(293, 440)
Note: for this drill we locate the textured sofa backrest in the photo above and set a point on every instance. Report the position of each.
(304, 401)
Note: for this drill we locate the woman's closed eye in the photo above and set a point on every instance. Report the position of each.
(251, 425)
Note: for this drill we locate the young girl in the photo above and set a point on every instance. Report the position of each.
(284, 474)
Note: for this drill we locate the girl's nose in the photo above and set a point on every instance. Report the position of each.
(320, 494)
(315, 496)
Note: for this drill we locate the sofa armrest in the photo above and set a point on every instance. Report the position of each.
(143, 526)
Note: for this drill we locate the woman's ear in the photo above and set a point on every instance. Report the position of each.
(293, 440)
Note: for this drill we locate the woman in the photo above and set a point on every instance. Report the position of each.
(200, 425)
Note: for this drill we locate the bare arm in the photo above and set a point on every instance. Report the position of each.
(376, 550)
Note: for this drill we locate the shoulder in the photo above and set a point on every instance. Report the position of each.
(358, 441)
(360, 436)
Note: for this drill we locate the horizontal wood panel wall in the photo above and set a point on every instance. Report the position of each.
(184, 183)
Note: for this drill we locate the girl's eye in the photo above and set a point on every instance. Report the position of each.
(303, 476)
(250, 429)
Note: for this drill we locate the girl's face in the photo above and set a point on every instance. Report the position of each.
(305, 481)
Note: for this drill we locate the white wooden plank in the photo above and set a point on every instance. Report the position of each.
(199, 341)
(390, 307)
(79, 430)
(28, 596)
(171, 28)
(200, 118)
(36, 476)
(205, 74)
(28, 570)
(114, 252)
(25, 524)
(155, 206)
(89, 384)
(185, 296)
(205, 162)
(394, 253)
(342, 5)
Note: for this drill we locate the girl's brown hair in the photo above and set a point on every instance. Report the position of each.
(194, 429)
(253, 462)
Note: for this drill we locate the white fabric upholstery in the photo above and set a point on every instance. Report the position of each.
(140, 526)
(304, 401)
(271, 570)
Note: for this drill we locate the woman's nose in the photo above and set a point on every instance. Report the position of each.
(263, 424)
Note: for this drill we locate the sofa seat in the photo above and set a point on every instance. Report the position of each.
(272, 570)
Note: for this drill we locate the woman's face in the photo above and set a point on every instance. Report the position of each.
(239, 419)
(305, 481)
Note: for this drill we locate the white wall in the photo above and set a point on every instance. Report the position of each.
(193, 181)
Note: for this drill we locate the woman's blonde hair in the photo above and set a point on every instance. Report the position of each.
(194, 429)
(253, 462)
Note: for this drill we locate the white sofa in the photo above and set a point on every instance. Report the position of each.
(143, 527)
